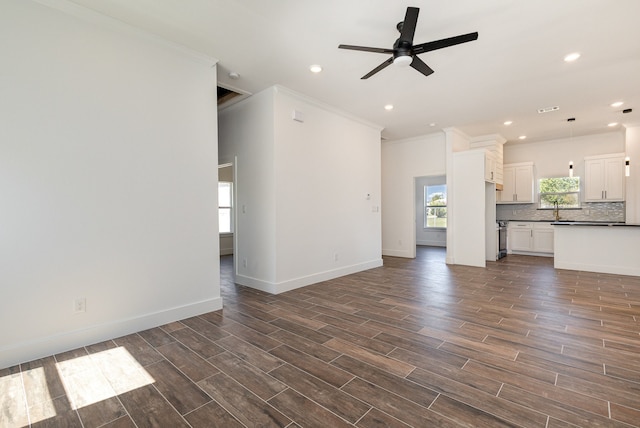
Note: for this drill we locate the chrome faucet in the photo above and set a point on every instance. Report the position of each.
(556, 211)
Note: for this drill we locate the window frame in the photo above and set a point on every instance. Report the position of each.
(225, 208)
(542, 195)
(427, 206)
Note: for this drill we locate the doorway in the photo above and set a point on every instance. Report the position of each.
(226, 223)
(431, 210)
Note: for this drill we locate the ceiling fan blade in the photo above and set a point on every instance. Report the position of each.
(444, 43)
(365, 49)
(409, 24)
(419, 65)
(378, 68)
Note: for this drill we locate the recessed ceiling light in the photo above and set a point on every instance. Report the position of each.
(612, 124)
(616, 104)
(507, 123)
(572, 57)
(522, 137)
(548, 109)
(388, 107)
(315, 68)
(432, 124)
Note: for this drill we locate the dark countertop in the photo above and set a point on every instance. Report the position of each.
(531, 221)
(593, 223)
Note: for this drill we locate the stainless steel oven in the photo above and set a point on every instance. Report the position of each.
(502, 238)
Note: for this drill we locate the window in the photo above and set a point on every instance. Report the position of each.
(225, 193)
(563, 190)
(435, 206)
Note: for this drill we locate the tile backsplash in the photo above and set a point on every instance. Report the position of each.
(597, 211)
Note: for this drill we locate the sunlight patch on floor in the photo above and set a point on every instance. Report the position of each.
(96, 377)
(13, 403)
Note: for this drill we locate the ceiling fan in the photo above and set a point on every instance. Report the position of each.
(405, 52)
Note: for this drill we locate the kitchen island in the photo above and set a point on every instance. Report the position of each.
(597, 247)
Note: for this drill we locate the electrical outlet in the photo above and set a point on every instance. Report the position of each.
(244, 263)
(335, 257)
(80, 305)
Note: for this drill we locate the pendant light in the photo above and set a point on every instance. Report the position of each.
(571, 120)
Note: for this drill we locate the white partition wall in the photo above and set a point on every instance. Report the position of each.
(402, 162)
(308, 190)
(468, 195)
(108, 160)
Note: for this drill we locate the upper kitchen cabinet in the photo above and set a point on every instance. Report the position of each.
(604, 178)
(489, 167)
(493, 145)
(518, 184)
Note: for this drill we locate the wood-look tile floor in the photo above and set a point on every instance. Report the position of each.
(414, 343)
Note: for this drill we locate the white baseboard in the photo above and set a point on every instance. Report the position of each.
(397, 253)
(591, 267)
(431, 243)
(292, 284)
(65, 341)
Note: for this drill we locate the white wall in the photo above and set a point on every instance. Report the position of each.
(246, 139)
(108, 162)
(424, 236)
(551, 158)
(633, 181)
(402, 162)
(315, 176)
(468, 195)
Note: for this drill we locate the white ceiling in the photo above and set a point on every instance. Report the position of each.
(514, 68)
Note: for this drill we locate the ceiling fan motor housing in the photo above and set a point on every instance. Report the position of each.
(404, 52)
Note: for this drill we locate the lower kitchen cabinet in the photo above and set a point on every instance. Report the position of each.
(543, 238)
(534, 238)
(519, 236)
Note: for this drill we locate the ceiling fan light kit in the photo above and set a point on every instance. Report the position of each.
(404, 52)
(402, 61)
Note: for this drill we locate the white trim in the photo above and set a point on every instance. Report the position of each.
(303, 281)
(407, 254)
(531, 253)
(458, 132)
(327, 107)
(104, 21)
(489, 140)
(431, 243)
(602, 268)
(412, 139)
(607, 156)
(44, 346)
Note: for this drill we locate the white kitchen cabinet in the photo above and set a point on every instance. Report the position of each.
(518, 184)
(493, 144)
(519, 236)
(542, 235)
(489, 167)
(530, 237)
(604, 178)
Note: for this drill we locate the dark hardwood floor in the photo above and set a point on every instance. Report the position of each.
(414, 343)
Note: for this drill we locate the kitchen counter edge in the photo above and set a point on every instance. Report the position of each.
(593, 223)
